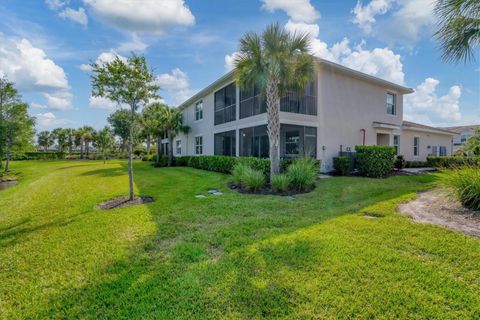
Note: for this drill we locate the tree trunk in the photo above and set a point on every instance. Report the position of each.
(159, 148)
(1, 155)
(149, 142)
(87, 148)
(170, 150)
(70, 149)
(130, 152)
(7, 157)
(273, 126)
(81, 149)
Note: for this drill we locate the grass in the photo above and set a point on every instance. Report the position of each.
(231, 256)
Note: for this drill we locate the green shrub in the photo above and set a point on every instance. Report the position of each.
(39, 156)
(400, 162)
(302, 173)
(238, 174)
(280, 183)
(375, 161)
(163, 162)
(453, 162)
(341, 165)
(253, 180)
(182, 161)
(416, 164)
(261, 164)
(465, 185)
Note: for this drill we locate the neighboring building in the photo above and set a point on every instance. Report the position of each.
(462, 134)
(340, 109)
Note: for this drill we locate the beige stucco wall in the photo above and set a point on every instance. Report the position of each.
(427, 139)
(347, 105)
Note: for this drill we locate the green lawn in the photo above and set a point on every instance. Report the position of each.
(232, 257)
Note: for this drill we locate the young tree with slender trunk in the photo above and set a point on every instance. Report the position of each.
(130, 83)
(275, 62)
(458, 28)
(8, 95)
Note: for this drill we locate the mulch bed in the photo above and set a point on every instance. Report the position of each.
(123, 201)
(268, 191)
(4, 184)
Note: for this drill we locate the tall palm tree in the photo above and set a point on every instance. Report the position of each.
(70, 139)
(172, 121)
(152, 118)
(45, 140)
(274, 61)
(458, 28)
(87, 137)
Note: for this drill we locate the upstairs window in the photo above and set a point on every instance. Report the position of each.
(416, 146)
(225, 104)
(391, 107)
(199, 111)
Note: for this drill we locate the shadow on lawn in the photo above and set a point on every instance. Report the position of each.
(205, 269)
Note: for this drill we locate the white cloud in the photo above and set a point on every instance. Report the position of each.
(104, 57)
(297, 10)
(404, 20)
(48, 120)
(426, 104)
(103, 104)
(365, 15)
(175, 85)
(55, 4)
(146, 16)
(32, 71)
(379, 62)
(135, 44)
(78, 16)
(229, 61)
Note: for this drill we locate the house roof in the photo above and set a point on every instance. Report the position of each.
(460, 129)
(407, 125)
(322, 62)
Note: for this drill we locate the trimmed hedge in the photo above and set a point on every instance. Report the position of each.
(375, 161)
(416, 164)
(453, 162)
(39, 156)
(341, 165)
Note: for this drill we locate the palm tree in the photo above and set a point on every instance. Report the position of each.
(70, 139)
(45, 140)
(274, 61)
(60, 135)
(173, 124)
(104, 141)
(87, 133)
(152, 118)
(458, 28)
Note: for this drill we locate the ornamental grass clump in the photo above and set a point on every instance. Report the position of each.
(239, 173)
(464, 184)
(280, 183)
(302, 173)
(253, 180)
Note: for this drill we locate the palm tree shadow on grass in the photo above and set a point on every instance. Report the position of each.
(203, 270)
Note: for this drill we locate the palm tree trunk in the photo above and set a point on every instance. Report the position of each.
(170, 150)
(81, 149)
(159, 148)
(273, 126)
(148, 145)
(1, 155)
(130, 153)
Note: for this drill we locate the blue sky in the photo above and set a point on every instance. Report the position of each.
(45, 47)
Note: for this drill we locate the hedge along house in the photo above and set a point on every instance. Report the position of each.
(339, 109)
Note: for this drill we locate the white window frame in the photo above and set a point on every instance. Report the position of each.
(440, 153)
(199, 110)
(397, 145)
(199, 146)
(416, 146)
(394, 105)
(435, 151)
(178, 144)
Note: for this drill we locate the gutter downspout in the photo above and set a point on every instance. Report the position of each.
(363, 136)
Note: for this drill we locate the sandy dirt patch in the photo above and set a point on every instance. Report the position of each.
(123, 201)
(437, 208)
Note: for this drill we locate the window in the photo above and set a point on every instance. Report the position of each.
(254, 142)
(199, 111)
(416, 145)
(435, 151)
(463, 138)
(391, 103)
(443, 151)
(225, 143)
(225, 104)
(396, 144)
(178, 147)
(199, 145)
(253, 103)
(297, 141)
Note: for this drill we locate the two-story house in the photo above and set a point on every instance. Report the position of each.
(462, 134)
(339, 109)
